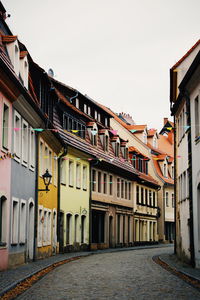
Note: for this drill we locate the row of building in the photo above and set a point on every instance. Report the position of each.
(185, 107)
(73, 174)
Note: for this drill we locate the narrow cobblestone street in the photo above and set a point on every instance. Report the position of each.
(120, 275)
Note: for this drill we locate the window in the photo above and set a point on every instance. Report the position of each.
(17, 134)
(105, 142)
(106, 122)
(49, 226)
(122, 188)
(117, 147)
(5, 126)
(78, 176)
(134, 160)
(71, 173)
(55, 170)
(89, 111)
(46, 159)
(146, 196)
(3, 220)
(95, 115)
(105, 183)
(111, 185)
(50, 162)
(165, 170)
(137, 194)
(15, 221)
(32, 148)
(118, 187)
(140, 164)
(40, 225)
(172, 200)
(41, 159)
(167, 199)
(94, 180)
(63, 171)
(24, 142)
(173, 172)
(99, 182)
(129, 191)
(150, 197)
(197, 123)
(22, 233)
(84, 178)
(76, 228)
(94, 137)
(126, 190)
(45, 225)
(142, 196)
(77, 102)
(68, 228)
(83, 229)
(16, 60)
(99, 117)
(154, 199)
(85, 108)
(154, 142)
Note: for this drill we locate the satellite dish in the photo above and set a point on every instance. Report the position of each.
(51, 72)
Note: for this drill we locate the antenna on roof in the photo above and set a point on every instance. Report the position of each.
(51, 72)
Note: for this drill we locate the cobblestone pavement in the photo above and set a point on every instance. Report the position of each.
(119, 275)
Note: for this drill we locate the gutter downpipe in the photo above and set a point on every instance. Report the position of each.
(58, 194)
(175, 190)
(186, 94)
(36, 197)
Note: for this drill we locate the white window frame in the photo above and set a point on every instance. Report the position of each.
(26, 145)
(22, 225)
(17, 137)
(49, 228)
(85, 177)
(63, 171)
(32, 149)
(55, 170)
(4, 149)
(40, 225)
(15, 222)
(45, 227)
(71, 173)
(78, 175)
(41, 158)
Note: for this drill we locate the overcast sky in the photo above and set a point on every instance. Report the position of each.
(118, 52)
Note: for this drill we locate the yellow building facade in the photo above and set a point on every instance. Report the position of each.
(74, 201)
(47, 244)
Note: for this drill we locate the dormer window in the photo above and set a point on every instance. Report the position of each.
(125, 152)
(95, 115)
(106, 143)
(106, 122)
(74, 126)
(165, 170)
(94, 137)
(99, 117)
(85, 108)
(154, 142)
(93, 133)
(89, 111)
(144, 137)
(24, 68)
(117, 148)
(77, 103)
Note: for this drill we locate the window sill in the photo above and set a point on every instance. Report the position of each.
(14, 244)
(2, 245)
(197, 140)
(78, 188)
(25, 164)
(22, 243)
(86, 190)
(63, 183)
(71, 186)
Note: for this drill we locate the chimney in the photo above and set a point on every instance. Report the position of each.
(165, 121)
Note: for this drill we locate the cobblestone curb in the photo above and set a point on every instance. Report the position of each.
(190, 279)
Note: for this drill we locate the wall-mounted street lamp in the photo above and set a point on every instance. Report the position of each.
(47, 180)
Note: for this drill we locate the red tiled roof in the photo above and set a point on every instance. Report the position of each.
(159, 172)
(138, 128)
(186, 55)
(148, 178)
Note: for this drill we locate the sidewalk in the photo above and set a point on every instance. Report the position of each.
(10, 278)
(172, 261)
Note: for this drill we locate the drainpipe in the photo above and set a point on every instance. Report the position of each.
(36, 196)
(175, 185)
(90, 207)
(58, 194)
(186, 94)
